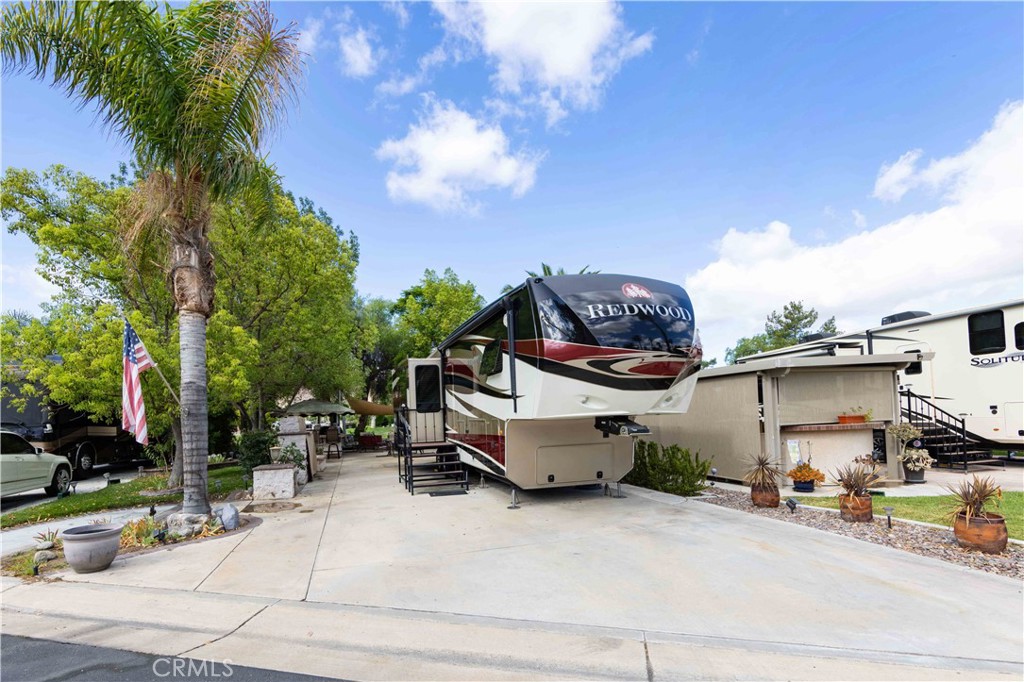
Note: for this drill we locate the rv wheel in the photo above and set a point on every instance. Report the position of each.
(61, 482)
(85, 459)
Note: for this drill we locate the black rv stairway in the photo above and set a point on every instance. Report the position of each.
(432, 466)
(943, 434)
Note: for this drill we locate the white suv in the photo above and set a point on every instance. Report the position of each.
(24, 467)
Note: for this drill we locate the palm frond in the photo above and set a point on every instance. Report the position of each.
(116, 56)
(245, 82)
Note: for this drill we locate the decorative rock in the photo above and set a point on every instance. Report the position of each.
(937, 543)
(46, 544)
(229, 516)
(186, 525)
(44, 555)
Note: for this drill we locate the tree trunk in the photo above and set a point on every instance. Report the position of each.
(194, 425)
(174, 480)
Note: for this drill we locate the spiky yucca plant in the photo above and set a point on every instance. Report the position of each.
(970, 497)
(855, 479)
(763, 472)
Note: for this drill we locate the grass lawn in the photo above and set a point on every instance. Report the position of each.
(934, 509)
(119, 496)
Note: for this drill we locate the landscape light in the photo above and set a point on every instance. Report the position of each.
(888, 515)
(74, 484)
(791, 503)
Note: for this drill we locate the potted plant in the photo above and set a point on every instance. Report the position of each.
(973, 527)
(93, 547)
(763, 479)
(914, 460)
(854, 500)
(805, 476)
(855, 415)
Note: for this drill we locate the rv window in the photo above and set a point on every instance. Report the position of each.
(428, 388)
(1018, 335)
(914, 367)
(986, 333)
(490, 361)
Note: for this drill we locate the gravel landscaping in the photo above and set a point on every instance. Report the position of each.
(924, 540)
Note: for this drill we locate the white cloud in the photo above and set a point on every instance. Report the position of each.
(404, 84)
(309, 36)
(448, 154)
(548, 53)
(400, 11)
(359, 58)
(23, 288)
(964, 252)
(895, 179)
(859, 219)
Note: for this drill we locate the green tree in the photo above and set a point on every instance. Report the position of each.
(432, 309)
(781, 330)
(193, 90)
(73, 221)
(289, 283)
(382, 351)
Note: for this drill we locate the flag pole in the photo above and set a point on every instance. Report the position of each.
(173, 394)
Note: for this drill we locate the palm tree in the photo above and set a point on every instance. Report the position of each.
(193, 91)
(547, 271)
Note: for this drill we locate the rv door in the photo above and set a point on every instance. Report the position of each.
(426, 413)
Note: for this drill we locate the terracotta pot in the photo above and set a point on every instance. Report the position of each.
(852, 418)
(986, 533)
(856, 509)
(765, 496)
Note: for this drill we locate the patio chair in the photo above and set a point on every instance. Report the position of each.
(333, 439)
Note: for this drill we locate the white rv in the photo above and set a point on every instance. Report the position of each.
(538, 386)
(977, 372)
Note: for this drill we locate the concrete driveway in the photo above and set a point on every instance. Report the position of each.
(366, 581)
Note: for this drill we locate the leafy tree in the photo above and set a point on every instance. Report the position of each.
(193, 90)
(547, 271)
(431, 310)
(276, 282)
(73, 221)
(289, 284)
(781, 330)
(383, 350)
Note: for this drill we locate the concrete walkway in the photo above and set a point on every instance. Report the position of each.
(364, 581)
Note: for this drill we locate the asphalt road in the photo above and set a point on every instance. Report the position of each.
(42, 660)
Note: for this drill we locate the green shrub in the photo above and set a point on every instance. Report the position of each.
(668, 469)
(254, 449)
(291, 454)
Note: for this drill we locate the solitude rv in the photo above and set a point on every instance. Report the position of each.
(538, 387)
(977, 374)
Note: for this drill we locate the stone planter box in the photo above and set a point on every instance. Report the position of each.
(274, 482)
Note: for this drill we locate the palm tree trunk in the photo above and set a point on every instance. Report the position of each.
(194, 425)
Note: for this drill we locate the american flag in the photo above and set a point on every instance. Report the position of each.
(136, 361)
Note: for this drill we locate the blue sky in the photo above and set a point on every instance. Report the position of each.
(864, 158)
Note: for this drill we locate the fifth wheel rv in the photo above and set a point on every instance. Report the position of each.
(538, 387)
(977, 372)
